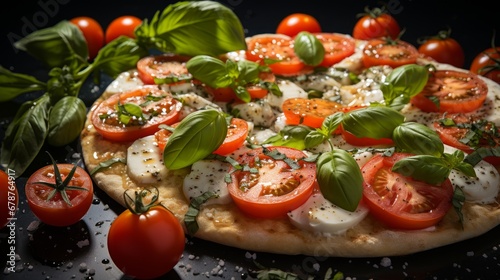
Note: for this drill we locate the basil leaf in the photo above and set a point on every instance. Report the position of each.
(340, 179)
(118, 56)
(429, 169)
(417, 138)
(66, 120)
(25, 135)
(193, 210)
(314, 138)
(106, 164)
(403, 83)
(14, 84)
(56, 46)
(309, 48)
(209, 70)
(196, 136)
(290, 136)
(193, 28)
(61, 83)
(373, 122)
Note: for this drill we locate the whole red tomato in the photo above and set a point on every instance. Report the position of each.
(9, 197)
(295, 23)
(487, 64)
(443, 48)
(376, 23)
(122, 26)
(145, 241)
(93, 33)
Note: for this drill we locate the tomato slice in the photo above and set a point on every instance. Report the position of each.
(227, 94)
(170, 67)
(156, 106)
(56, 211)
(456, 91)
(364, 141)
(399, 201)
(310, 112)
(275, 47)
(337, 47)
(389, 52)
(275, 188)
(467, 133)
(237, 132)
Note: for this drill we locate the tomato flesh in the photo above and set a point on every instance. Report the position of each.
(310, 112)
(161, 67)
(400, 202)
(392, 53)
(158, 107)
(457, 92)
(364, 141)
(337, 47)
(148, 245)
(278, 48)
(276, 188)
(237, 132)
(56, 211)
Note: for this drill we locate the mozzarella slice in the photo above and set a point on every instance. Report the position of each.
(144, 161)
(207, 175)
(288, 90)
(260, 113)
(320, 215)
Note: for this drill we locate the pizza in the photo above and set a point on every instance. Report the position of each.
(358, 156)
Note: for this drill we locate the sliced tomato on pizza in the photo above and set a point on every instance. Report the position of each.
(135, 114)
(310, 112)
(272, 181)
(468, 133)
(400, 202)
(163, 69)
(337, 47)
(389, 52)
(451, 91)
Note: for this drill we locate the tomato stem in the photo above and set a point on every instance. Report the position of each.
(136, 204)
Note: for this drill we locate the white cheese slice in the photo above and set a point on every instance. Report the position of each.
(144, 161)
(207, 175)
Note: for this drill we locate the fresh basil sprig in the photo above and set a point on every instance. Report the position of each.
(193, 28)
(418, 139)
(196, 137)
(309, 48)
(403, 83)
(340, 179)
(373, 122)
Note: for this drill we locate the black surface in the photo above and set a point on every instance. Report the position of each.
(45, 252)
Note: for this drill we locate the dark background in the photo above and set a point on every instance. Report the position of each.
(50, 253)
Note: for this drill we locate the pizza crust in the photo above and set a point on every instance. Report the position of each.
(225, 224)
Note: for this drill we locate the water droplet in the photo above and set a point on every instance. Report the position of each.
(105, 261)
(98, 224)
(96, 201)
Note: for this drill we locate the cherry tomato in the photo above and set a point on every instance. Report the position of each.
(9, 198)
(168, 67)
(277, 187)
(487, 64)
(276, 47)
(364, 141)
(310, 112)
(401, 202)
(122, 26)
(376, 23)
(456, 91)
(292, 24)
(146, 244)
(467, 133)
(389, 52)
(237, 132)
(337, 47)
(93, 33)
(56, 211)
(442, 48)
(148, 106)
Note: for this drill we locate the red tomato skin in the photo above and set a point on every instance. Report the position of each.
(273, 206)
(310, 112)
(146, 246)
(476, 92)
(393, 208)
(446, 50)
(369, 27)
(56, 212)
(237, 133)
(117, 132)
(149, 67)
(93, 33)
(122, 26)
(364, 141)
(292, 24)
(484, 59)
(337, 47)
(9, 198)
(380, 52)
